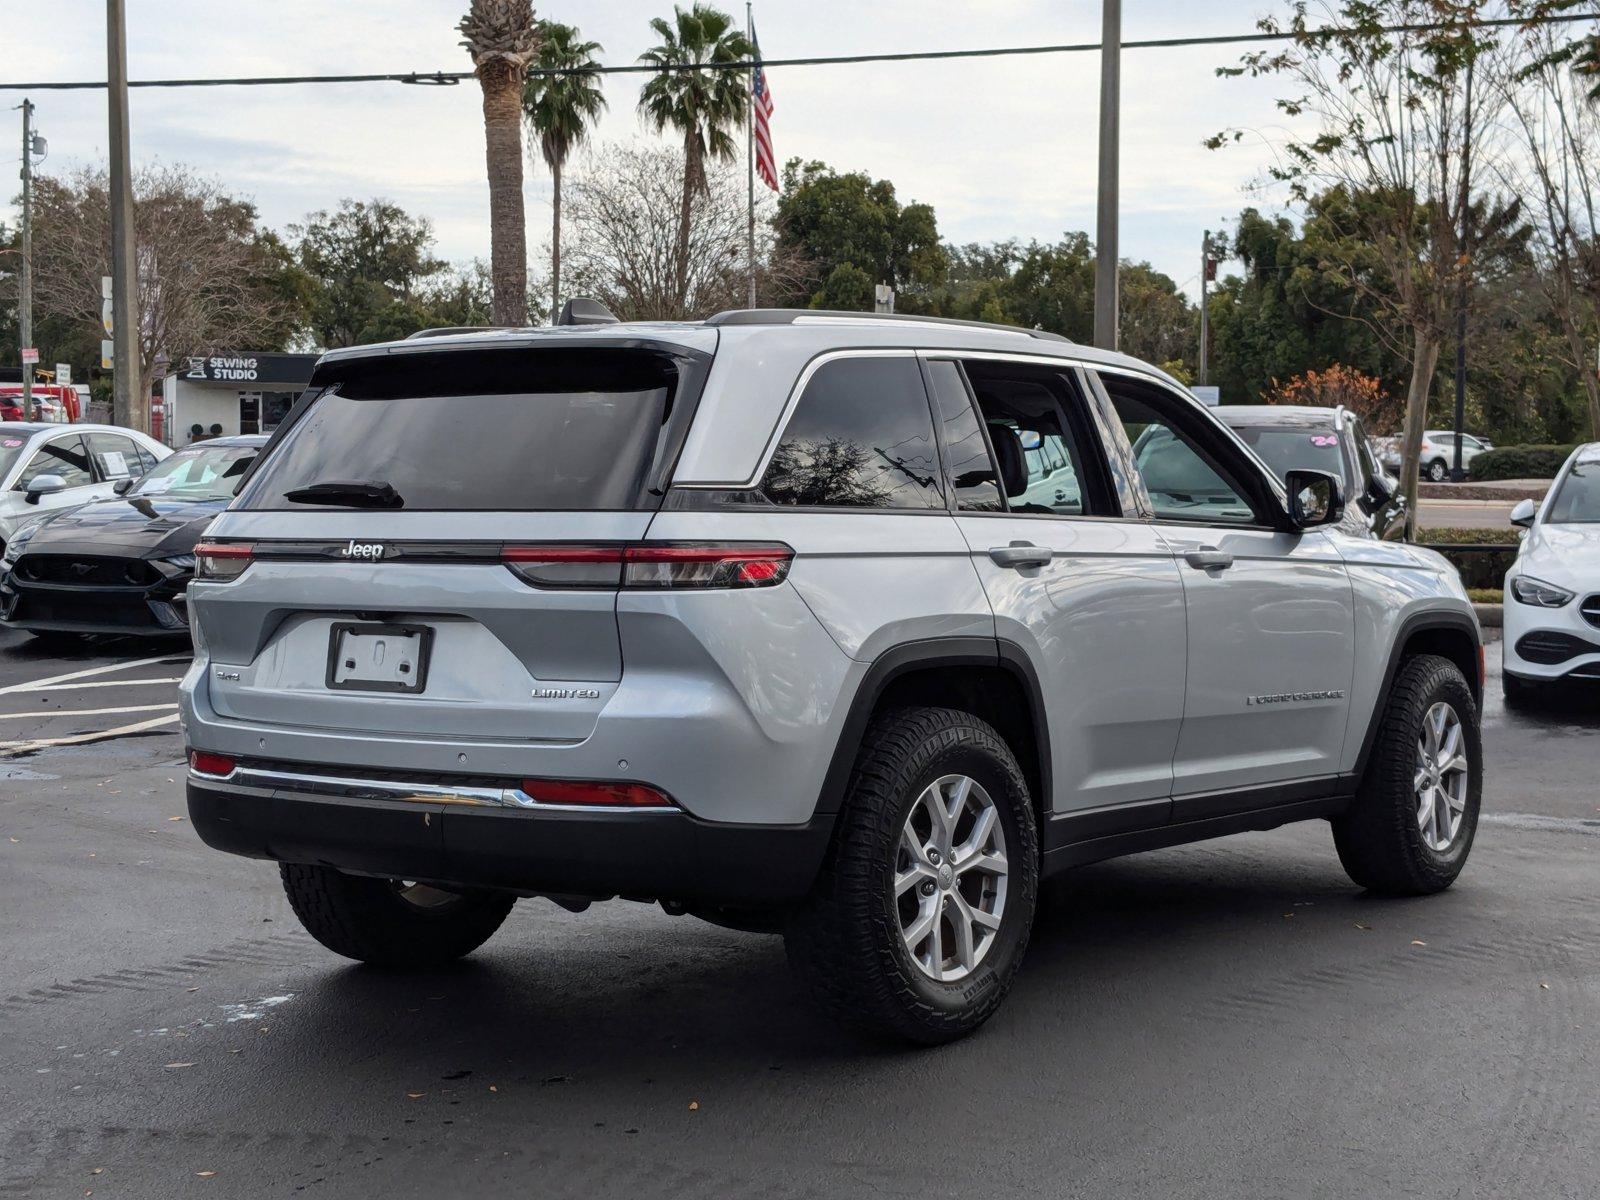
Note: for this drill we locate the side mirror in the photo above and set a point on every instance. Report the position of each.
(1315, 498)
(1524, 513)
(44, 485)
(122, 486)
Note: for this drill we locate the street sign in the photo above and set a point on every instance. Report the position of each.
(108, 352)
(105, 307)
(63, 373)
(30, 354)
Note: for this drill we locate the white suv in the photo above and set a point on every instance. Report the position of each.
(851, 628)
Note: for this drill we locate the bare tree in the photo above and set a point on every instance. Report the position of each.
(1394, 130)
(1555, 167)
(627, 247)
(205, 273)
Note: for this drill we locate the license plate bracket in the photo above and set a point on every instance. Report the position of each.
(366, 656)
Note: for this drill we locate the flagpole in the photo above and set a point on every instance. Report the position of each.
(750, 154)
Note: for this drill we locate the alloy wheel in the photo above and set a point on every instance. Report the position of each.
(950, 878)
(1442, 776)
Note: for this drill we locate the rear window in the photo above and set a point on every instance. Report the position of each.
(502, 430)
(1286, 449)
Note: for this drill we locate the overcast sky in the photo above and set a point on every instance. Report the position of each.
(1000, 147)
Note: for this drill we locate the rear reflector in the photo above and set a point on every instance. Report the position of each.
(218, 562)
(651, 566)
(204, 762)
(608, 795)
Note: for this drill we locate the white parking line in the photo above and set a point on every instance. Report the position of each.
(34, 684)
(46, 686)
(86, 712)
(24, 747)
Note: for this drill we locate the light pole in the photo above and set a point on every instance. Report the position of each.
(32, 144)
(1105, 267)
(128, 406)
(1208, 270)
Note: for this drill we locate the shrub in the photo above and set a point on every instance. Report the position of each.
(1479, 568)
(1510, 535)
(1339, 384)
(1519, 462)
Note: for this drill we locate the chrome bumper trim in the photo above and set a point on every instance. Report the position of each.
(257, 780)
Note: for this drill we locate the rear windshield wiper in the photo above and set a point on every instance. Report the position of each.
(370, 493)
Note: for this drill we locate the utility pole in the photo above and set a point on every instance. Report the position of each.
(1206, 268)
(1457, 474)
(1105, 267)
(25, 300)
(128, 406)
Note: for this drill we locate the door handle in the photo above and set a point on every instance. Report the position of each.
(1208, 558)
(1020, 554)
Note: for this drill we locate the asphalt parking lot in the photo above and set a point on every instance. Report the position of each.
(1227, 1019)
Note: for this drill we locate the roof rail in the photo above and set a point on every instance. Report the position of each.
(449, 330)
(789, 316)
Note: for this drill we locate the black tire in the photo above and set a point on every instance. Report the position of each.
(1378, 838)
(373, 920)
(845, 940)
(1438, 470)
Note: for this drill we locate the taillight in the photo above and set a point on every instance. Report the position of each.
(204, 762)
(651, 566)
(218, 562)
(606, 795)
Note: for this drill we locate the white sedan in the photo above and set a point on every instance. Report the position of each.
(45, 466)
(1552, 598)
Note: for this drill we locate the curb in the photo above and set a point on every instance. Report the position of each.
(1490, 616)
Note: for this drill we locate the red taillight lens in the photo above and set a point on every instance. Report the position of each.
(607, 795)
(218, 562)
(204, 762)
(652, 565)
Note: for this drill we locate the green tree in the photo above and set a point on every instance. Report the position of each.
(829, 219)
(700, 104)
(560, 111)
(502, 38)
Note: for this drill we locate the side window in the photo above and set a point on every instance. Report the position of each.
(972, 469)
(1369, 463)
(65, 457)
(116, 456)
(860, 437)
(147, 459)
(1184, 481)
(1042, 451)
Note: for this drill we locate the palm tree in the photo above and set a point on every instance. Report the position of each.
(502, 38)
(560, 109)
(701, 104)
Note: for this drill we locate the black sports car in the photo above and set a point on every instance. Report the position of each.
(122, 565)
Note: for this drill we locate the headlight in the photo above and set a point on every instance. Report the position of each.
(1537, 592)
(19, 540)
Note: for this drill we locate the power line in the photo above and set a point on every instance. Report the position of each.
(452, 78)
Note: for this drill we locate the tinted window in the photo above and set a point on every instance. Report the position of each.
(972, 471)
(1039, 454)
(1578, 501)
(65, 457)
(860, 437)
(116, 456)
(1184, 482)
(510, 430)
(1286, 450)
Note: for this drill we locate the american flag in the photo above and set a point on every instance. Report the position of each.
(766, 164)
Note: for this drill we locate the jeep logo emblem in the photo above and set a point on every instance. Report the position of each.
(362, 550)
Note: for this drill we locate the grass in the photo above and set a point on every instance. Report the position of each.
(1507, 535)
(1486, 595)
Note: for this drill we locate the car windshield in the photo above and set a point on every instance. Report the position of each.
(1578, 500)
(1286, 449)
(198, 473)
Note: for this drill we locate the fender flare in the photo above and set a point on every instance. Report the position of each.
(1447, 620)
(921, 655)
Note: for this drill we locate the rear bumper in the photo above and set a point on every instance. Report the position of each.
(663, 854)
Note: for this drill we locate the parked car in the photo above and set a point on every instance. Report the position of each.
(123, 565)
(1552, 591)
(44, 466)
(1291, 437)
(1438, 453)
(743, 616)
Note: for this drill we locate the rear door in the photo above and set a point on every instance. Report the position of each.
(1090, 592)
(435, 544)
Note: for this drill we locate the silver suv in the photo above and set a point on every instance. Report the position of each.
(850, 628)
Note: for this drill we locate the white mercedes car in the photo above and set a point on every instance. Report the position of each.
(1552, 601)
